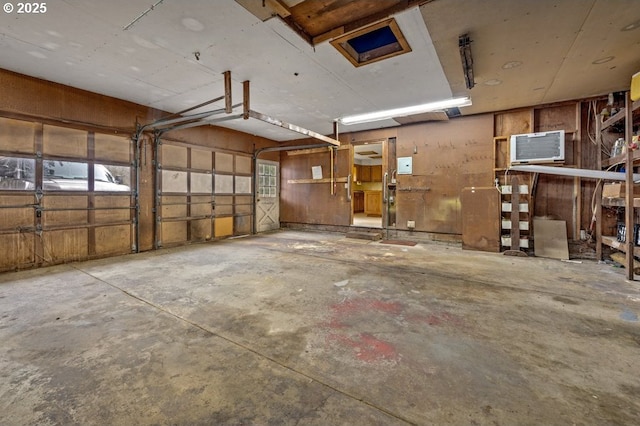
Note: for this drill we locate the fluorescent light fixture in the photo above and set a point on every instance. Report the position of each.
(405, 111)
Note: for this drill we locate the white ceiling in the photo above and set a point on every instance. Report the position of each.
(83, 43)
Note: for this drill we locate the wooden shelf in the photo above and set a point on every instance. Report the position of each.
(614, 243)
(618, 202)
(620, 159)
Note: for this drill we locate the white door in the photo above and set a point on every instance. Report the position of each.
(268, 199)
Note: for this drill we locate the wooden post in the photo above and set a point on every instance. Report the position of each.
(629, 212)
(598, 195)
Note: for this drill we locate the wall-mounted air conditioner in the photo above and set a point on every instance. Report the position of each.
(542, 147)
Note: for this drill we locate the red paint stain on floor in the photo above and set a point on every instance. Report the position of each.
(368, 348)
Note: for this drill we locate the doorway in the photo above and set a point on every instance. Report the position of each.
(367, 183)
(268, 196)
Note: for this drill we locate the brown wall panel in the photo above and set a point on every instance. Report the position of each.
(17, 135)
(65, 142)
(65, 245)
(16, 250)
(121, 214)
(201, 205)
(223, 227)
(224, 162)
(201, 159)
(243, 164)
(447, 156)
(313, 202)
(112, 148)
(174, 232)
(173, 156)
(201, 229)
(242, 225)
(146, 196)
(174, 206)
(112, 240)
(513, 122)
(68, 210)
(13, 218)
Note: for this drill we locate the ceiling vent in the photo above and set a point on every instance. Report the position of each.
(374, 43)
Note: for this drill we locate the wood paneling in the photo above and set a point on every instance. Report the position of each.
(243, 164)
(65, 142)
(17, 250)
(223, 227)
(67, 210)
(111, 148)
(112, 240)
(448, 156)
(173, 156)
(201, 205)
(224, 162)
(174, 207)
(14, 218)
(242, 225)
(174, 232)
(201, 230)
(481, 219)
(118, 208)
(513, 123)
(17, 135)
(201, 159)
(314, 203)
(65, 245)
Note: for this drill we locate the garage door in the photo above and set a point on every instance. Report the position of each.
(65, 194)
(202, 194)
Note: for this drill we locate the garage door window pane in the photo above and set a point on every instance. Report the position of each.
(17, 173)
(111, 178)
(65, 176)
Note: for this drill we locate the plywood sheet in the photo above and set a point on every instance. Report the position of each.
(112, 148)
(174, 232)
(17, 135)
(201, 205)
(224, 162)
(201, 160)
(173, 156)
(121, 214)
(550, 238)
(112, 240)
(243, 225)
(67, 210)
(16, 250)
(65, 245)
(13, 218)
(243, 164)
(481, 219)
(201, 230)
(223, 226)
(64, 142)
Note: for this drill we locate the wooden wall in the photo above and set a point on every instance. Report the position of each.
(86, 126)
(303, 200)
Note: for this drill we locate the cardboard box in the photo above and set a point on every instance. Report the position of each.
(617, 190)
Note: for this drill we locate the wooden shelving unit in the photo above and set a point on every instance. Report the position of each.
(629, 203)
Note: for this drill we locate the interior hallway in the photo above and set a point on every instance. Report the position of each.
(313, 328)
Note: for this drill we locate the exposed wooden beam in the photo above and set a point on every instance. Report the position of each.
(228, 107)
(279, 7)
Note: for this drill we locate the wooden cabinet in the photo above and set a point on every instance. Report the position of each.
(373, 203)
(376, 173)
(358, 202)
(367, 173)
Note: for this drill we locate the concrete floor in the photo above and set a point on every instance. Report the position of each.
(316, 329)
